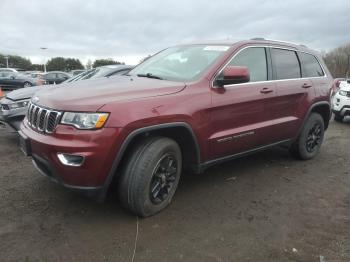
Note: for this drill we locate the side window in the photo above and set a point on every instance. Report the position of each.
(62, 76)
(51, 76)
(286, 64)
(255, 59)
(310, 65)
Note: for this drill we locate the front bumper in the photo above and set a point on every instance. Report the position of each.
(99, 148)
(341, 105)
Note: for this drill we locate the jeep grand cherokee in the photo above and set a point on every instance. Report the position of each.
(186, 108)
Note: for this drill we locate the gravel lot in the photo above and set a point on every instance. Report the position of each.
(266, 207)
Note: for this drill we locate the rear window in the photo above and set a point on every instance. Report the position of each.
(311, 67)
(286, 64)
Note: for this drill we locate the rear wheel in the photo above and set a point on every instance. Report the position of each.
(338, 118)
(310, 138)
(150, 176)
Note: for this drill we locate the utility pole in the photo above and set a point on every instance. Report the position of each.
(44, 48)
(7, 61)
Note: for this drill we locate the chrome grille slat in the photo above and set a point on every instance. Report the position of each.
(42, 119)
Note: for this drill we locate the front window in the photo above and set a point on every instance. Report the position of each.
(254, 58)
(182, 63)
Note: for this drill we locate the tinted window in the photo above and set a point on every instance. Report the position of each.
(311, 67)
(62, 76)
(51, 76)
(121, 72)
(255, 59)
(286, 64)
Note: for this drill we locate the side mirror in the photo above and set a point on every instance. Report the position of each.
(12, 77)
(233, 75)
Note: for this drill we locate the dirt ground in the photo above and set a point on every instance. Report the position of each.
(265, 207)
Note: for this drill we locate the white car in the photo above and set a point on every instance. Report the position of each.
(341, 101)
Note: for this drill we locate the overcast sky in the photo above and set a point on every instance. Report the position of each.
(128, 30)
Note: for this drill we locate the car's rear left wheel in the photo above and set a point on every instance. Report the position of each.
(150, 176)
(310, 138)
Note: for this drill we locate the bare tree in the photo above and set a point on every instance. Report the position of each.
(338, 61)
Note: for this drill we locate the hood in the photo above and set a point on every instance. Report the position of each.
(90, 95)
(23, 93)
(345, 86)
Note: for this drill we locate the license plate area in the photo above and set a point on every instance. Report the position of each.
(24, 144)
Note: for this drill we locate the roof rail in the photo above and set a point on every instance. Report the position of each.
(261, 38)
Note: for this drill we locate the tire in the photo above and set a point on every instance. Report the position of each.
(142, 173)
(27, 84)
(338, 118)
(310, 139)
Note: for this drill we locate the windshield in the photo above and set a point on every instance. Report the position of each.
(78, 77)
(98, 72)
(183, 63)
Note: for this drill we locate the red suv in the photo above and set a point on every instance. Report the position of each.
(186, 108)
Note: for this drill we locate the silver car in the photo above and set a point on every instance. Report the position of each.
(13, 106)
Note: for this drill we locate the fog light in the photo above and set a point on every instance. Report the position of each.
(71, 160)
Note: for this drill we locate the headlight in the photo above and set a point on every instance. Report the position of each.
(19, 104)
(343, 93)
(84, 120)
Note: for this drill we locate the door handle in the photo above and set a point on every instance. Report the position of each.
(266, 90)
(306, 85)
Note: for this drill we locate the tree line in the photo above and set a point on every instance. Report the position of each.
(337, 61)
(53, 64)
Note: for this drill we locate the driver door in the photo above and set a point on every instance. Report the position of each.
(239, 121)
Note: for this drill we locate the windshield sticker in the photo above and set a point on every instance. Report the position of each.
(216, 48)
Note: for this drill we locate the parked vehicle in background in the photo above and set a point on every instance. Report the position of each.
(55, 77)
(102, 71)
(32, 72)
(12, 80)
(13, 106)
(12, 70)
(341, 101)
(186, 108)
(77, 72)
(336, 85)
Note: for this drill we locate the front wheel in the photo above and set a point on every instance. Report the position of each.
(150, 177)
(310, 138)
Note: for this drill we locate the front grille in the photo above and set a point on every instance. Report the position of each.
(42, 119)
(4, 107)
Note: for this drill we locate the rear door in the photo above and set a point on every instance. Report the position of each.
(238, 115)
(292, 93)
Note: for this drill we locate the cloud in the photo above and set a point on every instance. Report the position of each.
(132, 29)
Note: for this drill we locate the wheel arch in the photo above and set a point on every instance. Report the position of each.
(324, 109)
(181, 132)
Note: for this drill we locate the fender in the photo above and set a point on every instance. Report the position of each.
(131, 136)
(310, 110)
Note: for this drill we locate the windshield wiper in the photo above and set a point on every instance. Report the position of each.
(149, 75)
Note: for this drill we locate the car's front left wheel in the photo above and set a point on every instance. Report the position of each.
(150, 176)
